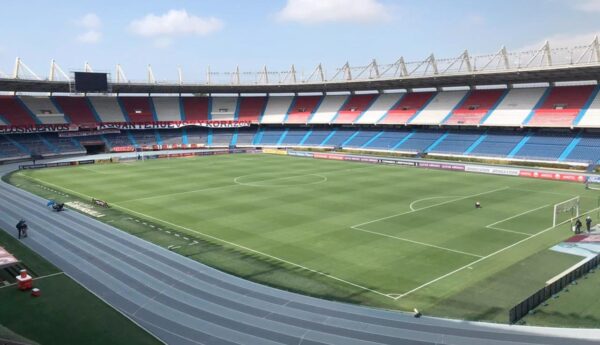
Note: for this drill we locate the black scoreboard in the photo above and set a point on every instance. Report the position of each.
(91, 82)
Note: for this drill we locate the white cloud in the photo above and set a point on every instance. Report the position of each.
(562, 41)
(90, 36)
(321, 11)
(587, 5)
(90, 21)
(175, 23)
(91, 24)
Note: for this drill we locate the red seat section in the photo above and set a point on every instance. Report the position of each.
(195, 108)
(251, 108)
(138, 108)
(561, 107)
(475, 107)
(353, 109)
(303, 109)
(13, 112)
(77, 109)
(407, 107)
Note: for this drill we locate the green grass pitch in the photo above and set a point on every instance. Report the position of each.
(385, 236)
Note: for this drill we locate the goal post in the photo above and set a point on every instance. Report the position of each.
(569, 207)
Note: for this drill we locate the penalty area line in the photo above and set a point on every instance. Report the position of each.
(491, 255)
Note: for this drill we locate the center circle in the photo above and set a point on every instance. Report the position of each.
(286, 180)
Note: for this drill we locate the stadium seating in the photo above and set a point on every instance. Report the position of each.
(328, 108)
(456, 142)
(379, 108)
(9, 149)
(302, 109)
(317, 137)
(251, 108)
(439, 108)
(277, 109)
(195, 108)
(561, 106)
(477, 105)
(339, 137)
(587, 149)
(354, 107)
(245, 136)
(223, 108)
(44, 109)
(497, 143)
(590, 115)
(221, 136)
(545, 146)
(107, 108)
(362, 138)
(167, 108)
(294, 136)
(138, 109)
(515, 107)
(171, 136)
(77, 109)
(420, 141)
(197, 135)
(388, 140)
(408, 106)
(13, 112)
(270, 136)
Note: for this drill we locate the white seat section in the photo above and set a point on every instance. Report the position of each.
(277, 109)
(380, 107)
(44, 109)
(515, 107)
(167, 108)
(439, 108)
(107, 108)
(329, 108)
(223, 108)
(591, 117)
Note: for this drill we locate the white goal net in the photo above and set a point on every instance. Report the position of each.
(566, 210)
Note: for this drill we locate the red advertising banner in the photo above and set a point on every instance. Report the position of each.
(552, 176)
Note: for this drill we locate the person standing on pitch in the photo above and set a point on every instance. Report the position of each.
(588, 223)
(578, 226)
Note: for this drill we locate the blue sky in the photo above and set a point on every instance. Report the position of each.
(252, 33)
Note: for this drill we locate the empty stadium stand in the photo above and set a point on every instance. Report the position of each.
(196, 108)
(328, 108)
(515, 107)
(167, 108)
(277, 109)
(108, 109)
(379, 108)
(590, 114)
(561, 106)
(138, 109)
(354, 107)
(302, 109)
(439, 108)
(77, 109)
(407, 108)
(251, 108)
(477, 105)
(13, 112)
(43, 109)
(223, 108)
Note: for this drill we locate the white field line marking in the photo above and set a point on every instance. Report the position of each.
(428, 207)
(252, 250)
(417, 242)
(412, 204)
(492, 254)
(225, 241)
(236, 184)
(36, 278)
(491, 226)
(323, 179)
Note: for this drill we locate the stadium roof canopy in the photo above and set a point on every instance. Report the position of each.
(545, 65)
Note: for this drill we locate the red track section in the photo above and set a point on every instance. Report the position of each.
(303, 109)
(251, 108)
(570, 98)
(138, 108)
(77, 109)
(475, 107)
(408, 106)
(195, 108)
(13, 112)
(355, 106)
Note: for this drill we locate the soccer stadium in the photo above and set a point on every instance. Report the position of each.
(431, 200)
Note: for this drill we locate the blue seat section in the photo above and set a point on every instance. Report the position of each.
(421, 140)
(388, 139)
(587, 150)
(362, 138)
(271, 136)
(294, 136)
(316, 137)
(498, 143)
(222, 136)
(339, 137)
(457, 142)
(545, 145)
(246, 136)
